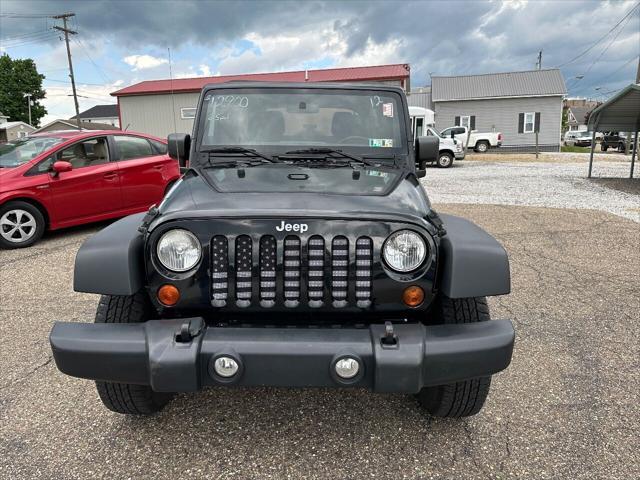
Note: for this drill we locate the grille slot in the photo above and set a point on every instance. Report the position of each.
(219, 270)
(268, 259)
(291, 271)
(339, 271)
(315, 273)
(364, 258)
(243, 264)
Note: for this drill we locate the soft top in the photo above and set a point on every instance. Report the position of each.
(303, 85)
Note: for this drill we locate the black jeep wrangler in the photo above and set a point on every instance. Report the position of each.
(298, 249)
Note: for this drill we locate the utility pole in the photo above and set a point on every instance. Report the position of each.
(638, 72)
(28, 95)
(539, 63)
(67, 32)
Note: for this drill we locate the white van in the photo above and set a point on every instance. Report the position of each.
(421, 118)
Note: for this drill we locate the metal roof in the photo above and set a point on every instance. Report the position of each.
(100, 111)
(498, 85)
(352, 74)
(8, 125)
(620, 113)
(73, 124)
(580, 114)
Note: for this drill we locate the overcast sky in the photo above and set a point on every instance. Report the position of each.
(124, 42)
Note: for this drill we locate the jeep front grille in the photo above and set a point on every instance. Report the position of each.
(314, 272)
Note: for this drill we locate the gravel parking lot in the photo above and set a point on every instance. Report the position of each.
(567, 407)
(540, 184)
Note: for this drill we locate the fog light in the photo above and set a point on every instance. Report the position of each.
(347, 367)
(226, 367)
(413, 296)
(168, 295)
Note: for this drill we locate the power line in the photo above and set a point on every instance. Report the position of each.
(618, 69)
(86, 52)
(581, 76)
(22, 36)
(27, 15)
(69, 81)
(600, 39)
(28, 41)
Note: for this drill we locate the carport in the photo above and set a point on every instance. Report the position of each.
(621, 113)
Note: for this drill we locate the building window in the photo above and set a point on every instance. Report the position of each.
(465, 121)
(529, 122)
(22, 134)
(188, 113)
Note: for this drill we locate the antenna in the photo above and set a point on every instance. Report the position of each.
(539, 62)
(173, 102)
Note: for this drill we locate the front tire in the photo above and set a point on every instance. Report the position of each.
(466, 398)
(21, 224)
(122, 397)
(445, 160)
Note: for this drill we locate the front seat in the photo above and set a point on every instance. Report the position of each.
(100, 153)
(79, 158)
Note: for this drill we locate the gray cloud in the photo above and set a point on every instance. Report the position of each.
(455, 37)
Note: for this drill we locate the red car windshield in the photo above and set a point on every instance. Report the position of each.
(18, 152)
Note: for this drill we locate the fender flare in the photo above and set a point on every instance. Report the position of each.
(472, 262)
(111, 262)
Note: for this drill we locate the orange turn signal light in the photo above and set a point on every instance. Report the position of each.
(413, 296)
(168, 295)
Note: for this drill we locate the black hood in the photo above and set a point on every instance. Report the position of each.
(198, 197)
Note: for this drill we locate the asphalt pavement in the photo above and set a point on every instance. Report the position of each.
(567, 407)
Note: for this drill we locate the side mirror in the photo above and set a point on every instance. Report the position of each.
(453, 134)
(179, 145)
(427, 149)
(61, 166)
(421, 173)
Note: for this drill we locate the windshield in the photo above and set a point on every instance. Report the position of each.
(365, 122)
(18, 152)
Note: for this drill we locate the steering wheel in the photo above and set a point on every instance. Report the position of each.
(352, 137)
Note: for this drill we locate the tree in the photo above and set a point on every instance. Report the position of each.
(18, 77)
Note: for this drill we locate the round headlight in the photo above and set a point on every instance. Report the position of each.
(404, 251)
(179, 250)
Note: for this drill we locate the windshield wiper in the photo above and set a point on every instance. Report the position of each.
(329, 152)
(247, 152)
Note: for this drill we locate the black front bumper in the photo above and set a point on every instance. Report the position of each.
(151, 354)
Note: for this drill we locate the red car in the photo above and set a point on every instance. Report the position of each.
(59, 179)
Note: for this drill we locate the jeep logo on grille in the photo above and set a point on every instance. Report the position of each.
(292, 227)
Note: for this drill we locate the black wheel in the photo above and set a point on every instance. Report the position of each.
(603, 147)
(445, 160)
(21, 225)
(621, 147)
(460, 399)
(122, 397)
(482, 146)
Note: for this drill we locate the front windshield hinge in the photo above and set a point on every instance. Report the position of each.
(152, 213)
(435, 220)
